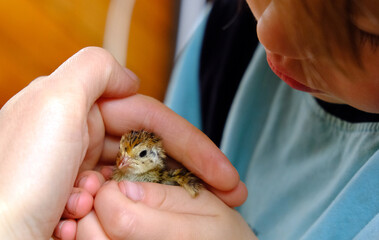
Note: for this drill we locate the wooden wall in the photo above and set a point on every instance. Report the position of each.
(37, 36)
(152, 44)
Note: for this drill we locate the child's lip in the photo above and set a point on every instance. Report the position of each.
(290, 81)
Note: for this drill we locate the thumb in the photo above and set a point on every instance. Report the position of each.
(94, 72)
(146, 205)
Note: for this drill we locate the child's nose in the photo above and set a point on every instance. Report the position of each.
(272, 33)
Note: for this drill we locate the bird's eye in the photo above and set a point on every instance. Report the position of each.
(143, 153)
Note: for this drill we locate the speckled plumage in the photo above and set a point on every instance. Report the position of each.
(141, 158)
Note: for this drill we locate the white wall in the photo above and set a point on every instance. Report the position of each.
(190, 14)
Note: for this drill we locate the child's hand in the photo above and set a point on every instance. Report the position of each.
(129, 210)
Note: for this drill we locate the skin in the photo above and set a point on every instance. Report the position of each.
(66, 123)
(148, 204)
(126, 210)
(358, 90)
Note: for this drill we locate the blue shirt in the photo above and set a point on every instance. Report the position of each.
(309, 174)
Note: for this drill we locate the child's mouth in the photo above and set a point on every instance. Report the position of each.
(290, 81)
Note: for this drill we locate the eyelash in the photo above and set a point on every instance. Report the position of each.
(372, 39)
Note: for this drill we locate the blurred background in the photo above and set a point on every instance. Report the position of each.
(36, 36)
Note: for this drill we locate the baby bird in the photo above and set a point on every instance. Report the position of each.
(141, 158)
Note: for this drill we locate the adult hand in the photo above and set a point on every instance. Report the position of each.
(55, 126)
(46, 131)
(129, 210)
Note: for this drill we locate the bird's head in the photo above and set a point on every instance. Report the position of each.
(140, 151)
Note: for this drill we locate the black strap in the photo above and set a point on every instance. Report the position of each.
(228, 45)
(348, 113)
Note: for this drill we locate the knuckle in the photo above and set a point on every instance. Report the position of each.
(157, 195)
(98, 58)
(123, 225)
(94, 52)
(120, 222)
(160, 199)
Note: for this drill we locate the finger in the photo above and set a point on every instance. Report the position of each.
(110, 149)
(89, 228)
(78, 205)
(66, 230)
(122, 218)
(93, 72)
(233, 198)
(165, 197)
(178, 215)
(96, 132)
(90, 181)
(106, 171)
(49, 120)
(183, 141)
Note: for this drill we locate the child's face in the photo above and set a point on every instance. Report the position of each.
(356, 87)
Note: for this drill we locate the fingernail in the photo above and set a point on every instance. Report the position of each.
(131, 74)
(132, 190)
(72, 203)
(58, 229)
(82, 182)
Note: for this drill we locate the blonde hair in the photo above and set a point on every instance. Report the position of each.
(325, 32)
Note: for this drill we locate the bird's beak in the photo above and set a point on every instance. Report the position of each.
(125, 162)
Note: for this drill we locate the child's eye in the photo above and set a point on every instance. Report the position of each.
(366, 37)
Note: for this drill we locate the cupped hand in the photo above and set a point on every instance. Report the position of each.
(128, 210)
(66, 122)
(79, 204)
(47, 130)
(182, 141)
